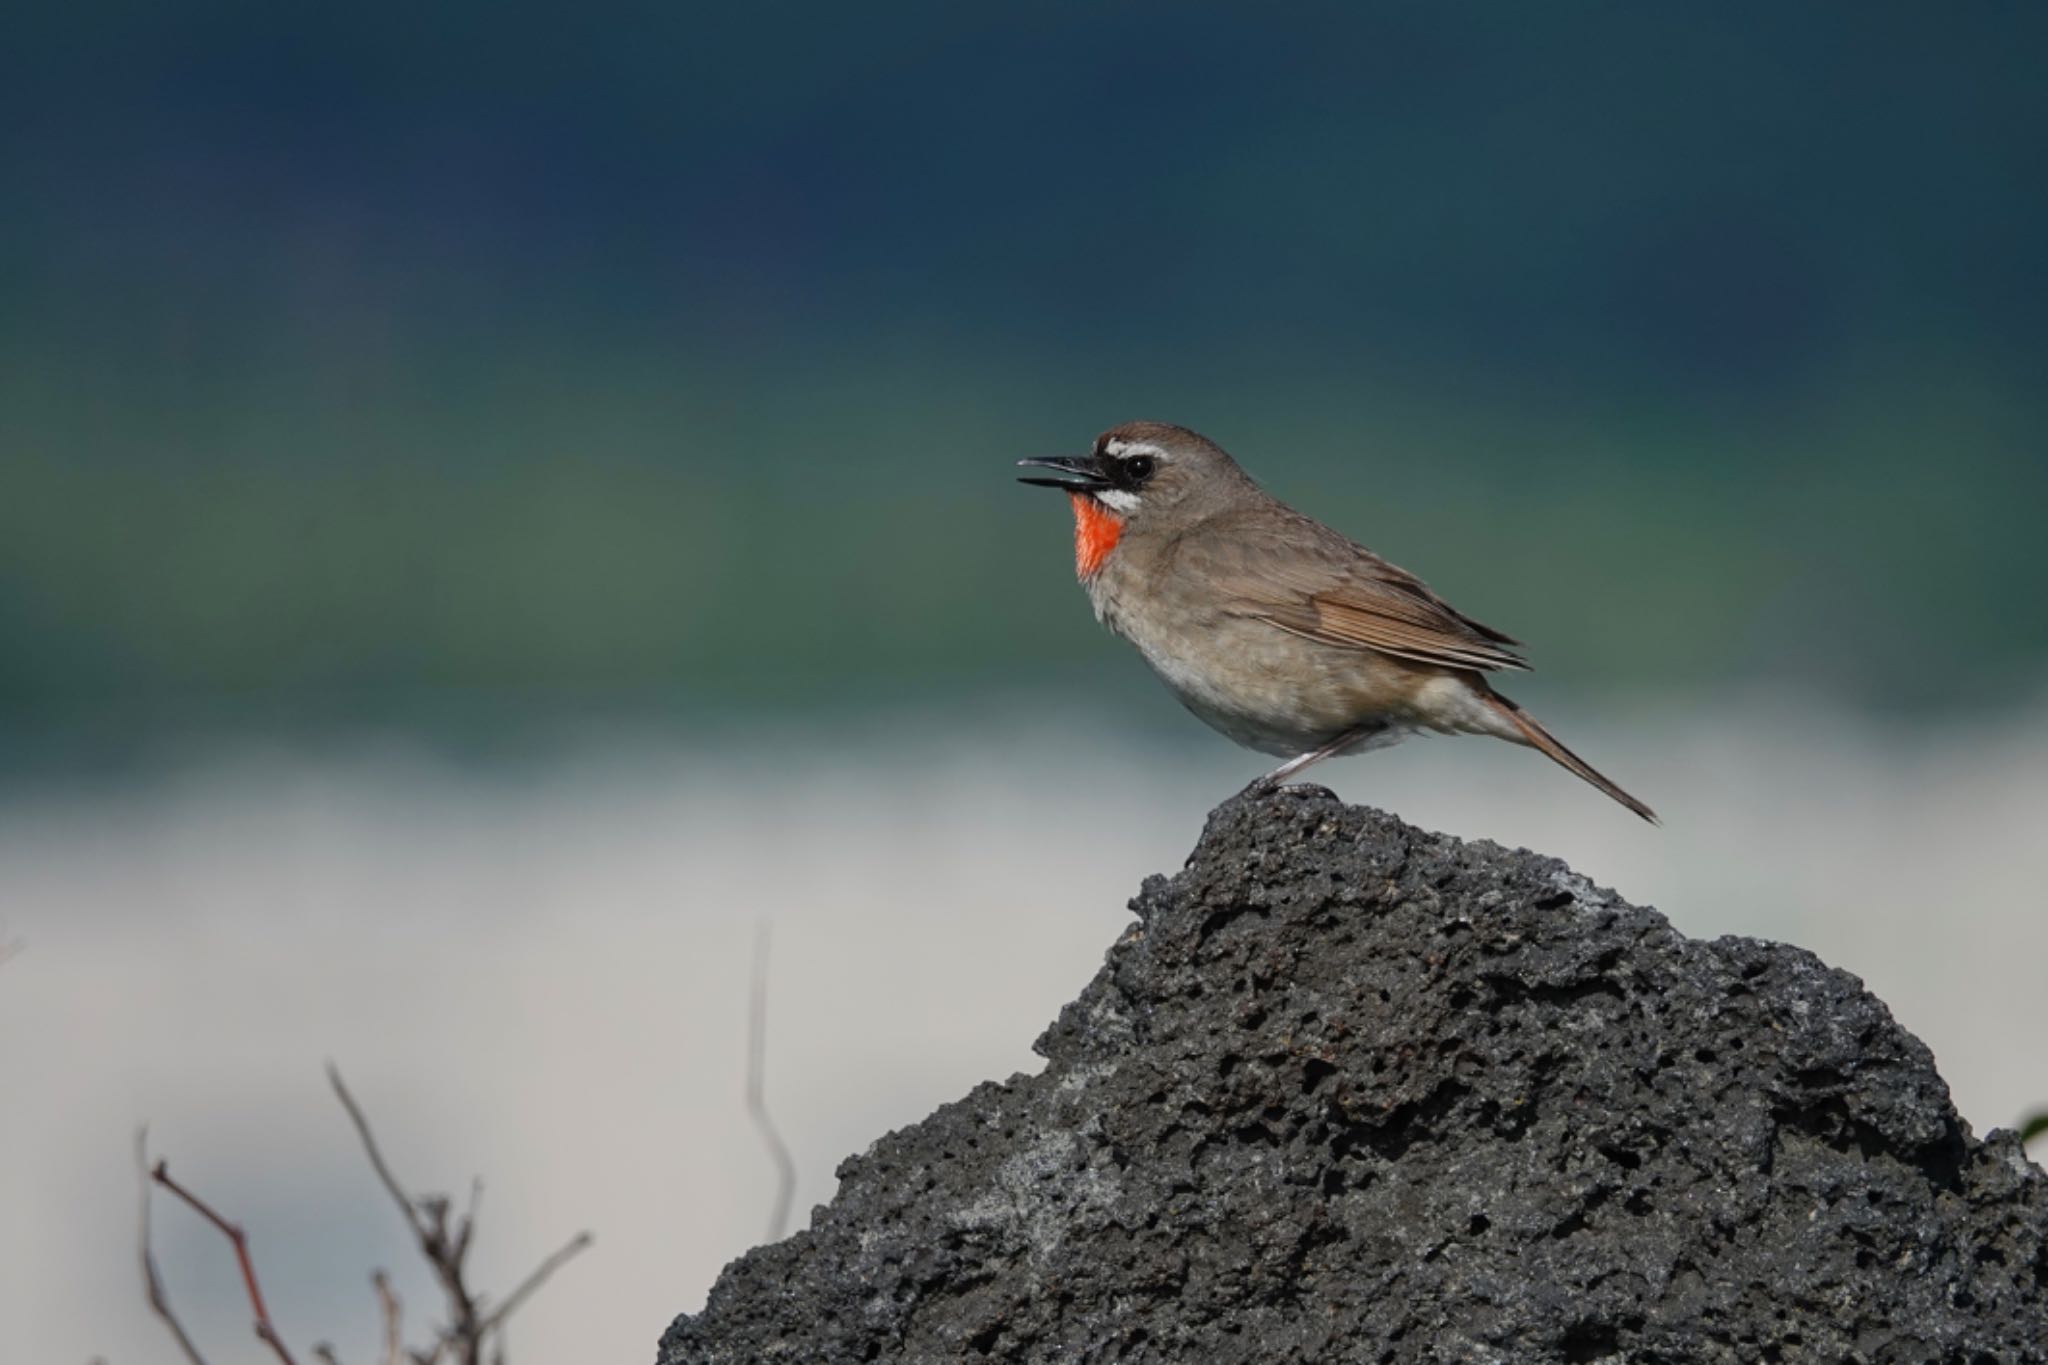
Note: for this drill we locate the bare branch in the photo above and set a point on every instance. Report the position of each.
(444, 1238)
(467, 1226)
(534, 1281)
(397, 1191)
(266, 1331)
(444, 1250)
(757, 1075)
(393, 1313)
(152, 1283)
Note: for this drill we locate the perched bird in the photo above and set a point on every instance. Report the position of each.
(1274, 629)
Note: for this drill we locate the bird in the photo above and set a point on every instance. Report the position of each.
(1281, 634)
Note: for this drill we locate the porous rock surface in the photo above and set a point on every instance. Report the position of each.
(1349, 1091)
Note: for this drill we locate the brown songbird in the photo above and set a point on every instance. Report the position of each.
(1276, 630)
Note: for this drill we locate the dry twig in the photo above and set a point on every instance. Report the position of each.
(266, 1331)
(534, 1281)
(152, 1282)
(392, 1311)
(446, 1247)
(443, 1242)
(757, 1075)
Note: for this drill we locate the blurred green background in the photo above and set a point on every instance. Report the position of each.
(458, 367)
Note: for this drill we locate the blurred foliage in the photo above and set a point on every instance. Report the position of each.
(362, 363)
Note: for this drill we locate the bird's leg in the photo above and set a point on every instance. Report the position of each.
(1272, 780)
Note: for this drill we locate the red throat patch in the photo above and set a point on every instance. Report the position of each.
(1096, 532)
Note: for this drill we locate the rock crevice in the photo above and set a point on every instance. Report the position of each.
(1349, 1091)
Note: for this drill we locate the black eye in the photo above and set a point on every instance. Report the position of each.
(1138, 468)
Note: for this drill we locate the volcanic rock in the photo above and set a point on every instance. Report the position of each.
(1348, 1091)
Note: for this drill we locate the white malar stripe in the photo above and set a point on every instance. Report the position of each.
(1121, 501)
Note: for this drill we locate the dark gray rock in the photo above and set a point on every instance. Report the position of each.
(1349, 1091)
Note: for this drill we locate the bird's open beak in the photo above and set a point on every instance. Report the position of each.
(1076, 473)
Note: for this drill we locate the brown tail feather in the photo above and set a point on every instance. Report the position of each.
(1538, 738)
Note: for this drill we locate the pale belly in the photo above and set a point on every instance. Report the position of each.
(1277, 731)
(1275, 692)
(1280, 693)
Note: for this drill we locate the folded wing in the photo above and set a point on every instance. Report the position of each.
(1302, 577)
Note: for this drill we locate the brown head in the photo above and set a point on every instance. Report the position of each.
(1141, 477)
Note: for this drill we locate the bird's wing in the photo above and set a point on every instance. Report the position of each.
(1304, 578)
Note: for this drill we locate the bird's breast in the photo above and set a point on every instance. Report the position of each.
(1262, 686)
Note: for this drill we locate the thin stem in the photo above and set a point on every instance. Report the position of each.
(266, 1332)
(534, 1281)
(355, 1114)
(393, 1313)
(152, 1282)
(429, 1223)
(757, 1075)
